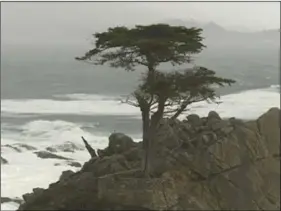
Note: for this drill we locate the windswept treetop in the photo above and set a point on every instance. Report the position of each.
(159, 94)
(145, 45)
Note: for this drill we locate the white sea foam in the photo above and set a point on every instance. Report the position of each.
(81, 96)
(245, 105)
(9, 206)
(248, 104)
(25, 170)
(44, 133)
(82, 107)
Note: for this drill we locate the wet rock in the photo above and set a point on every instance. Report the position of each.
(19, 147)
(65, 147)
(3, 160)
(49, 155)
(74, 164)
(8, 199)
(15, 148)
(69, 163)
(25, 146)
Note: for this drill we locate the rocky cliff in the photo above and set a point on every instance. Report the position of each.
(204, 163)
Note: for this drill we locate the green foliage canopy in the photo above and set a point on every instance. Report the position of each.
(145, 45)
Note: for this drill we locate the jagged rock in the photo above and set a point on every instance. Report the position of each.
(49, 155)
(8, 199)
(166, 135)
(65, 175)
(35, 193)
(19, 147)
(217, 125)
(70, 163)
(51, 149)
(265, 126)
(25, 146)
(65, 147)
(133, 154)
(213, 115)
(119, 143)
(106, 165)
(3, 160)
(194, 120)
(237, 172)
(227, 130)
(74, 164)
(100, 153)
(11, 147)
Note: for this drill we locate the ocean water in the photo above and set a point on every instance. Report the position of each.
(49, 98)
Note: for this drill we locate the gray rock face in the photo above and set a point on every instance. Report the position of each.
(119, 143)
(213, 115)
(194, 120)
(65, 175)
(232, 170)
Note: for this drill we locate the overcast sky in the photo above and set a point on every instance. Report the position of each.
(54, 22)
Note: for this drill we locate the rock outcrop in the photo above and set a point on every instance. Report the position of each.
(18, 147)
(204, 163)
(7, 199)
(65, 147)
(49, 155)
(3, 160)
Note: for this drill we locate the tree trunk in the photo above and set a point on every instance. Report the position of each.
(145, 136)
(149, 139)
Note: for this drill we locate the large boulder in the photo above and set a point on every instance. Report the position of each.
(118, 144)
(66, 175)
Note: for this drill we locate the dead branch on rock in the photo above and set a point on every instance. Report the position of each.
(89, 148)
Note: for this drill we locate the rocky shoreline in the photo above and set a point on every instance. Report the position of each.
(204, 163)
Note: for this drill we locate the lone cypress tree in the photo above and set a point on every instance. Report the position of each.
(159, 94)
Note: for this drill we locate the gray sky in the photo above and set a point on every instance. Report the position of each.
(54, 22)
